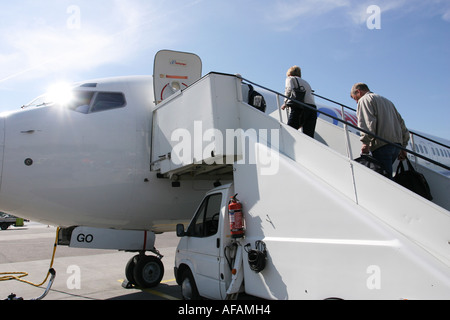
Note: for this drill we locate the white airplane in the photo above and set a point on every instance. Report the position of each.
(80, 159)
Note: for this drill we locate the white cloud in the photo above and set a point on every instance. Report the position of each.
(359, 10)
(61, 42)
(46, 38)
(290, 13)
(287, 14)
(446, 16)
(47, 49)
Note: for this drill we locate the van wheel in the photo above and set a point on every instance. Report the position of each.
(148, 272)
(188, 287)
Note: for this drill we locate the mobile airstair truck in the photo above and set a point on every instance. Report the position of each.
(333, 252)
(318, 225)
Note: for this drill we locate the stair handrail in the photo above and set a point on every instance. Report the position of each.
(344, 121)
(412, 132)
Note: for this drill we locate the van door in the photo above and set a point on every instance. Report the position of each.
(203, 245)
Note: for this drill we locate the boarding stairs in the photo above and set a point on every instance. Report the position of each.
(208, 132)
(201, 109)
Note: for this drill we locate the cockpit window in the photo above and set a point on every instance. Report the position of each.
(108, 101)
(74, 100)
(83, 101)
(92, 102)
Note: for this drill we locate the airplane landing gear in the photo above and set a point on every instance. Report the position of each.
(142, 271)
(145, 271)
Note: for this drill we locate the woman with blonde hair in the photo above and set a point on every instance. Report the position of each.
(300, 116)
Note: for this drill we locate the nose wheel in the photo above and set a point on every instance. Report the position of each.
(144, 271)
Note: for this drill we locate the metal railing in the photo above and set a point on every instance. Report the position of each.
(343, 106)
(347, 124)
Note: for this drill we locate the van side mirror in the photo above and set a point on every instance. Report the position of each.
(180, 231)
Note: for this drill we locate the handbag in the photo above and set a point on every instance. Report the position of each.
(413, 180)
(370, 162)
(297, 94)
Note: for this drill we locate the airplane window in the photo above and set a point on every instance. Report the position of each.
(107, 101)
(84, 101)
(81, 101)
(89, 85)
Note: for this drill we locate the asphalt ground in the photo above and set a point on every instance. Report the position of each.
(101, 273)
(81, 274)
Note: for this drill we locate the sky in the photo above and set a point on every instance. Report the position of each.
(400, 48)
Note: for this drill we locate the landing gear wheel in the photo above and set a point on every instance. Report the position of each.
(148, 271)
(129, 270)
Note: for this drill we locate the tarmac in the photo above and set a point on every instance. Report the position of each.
(81, 274)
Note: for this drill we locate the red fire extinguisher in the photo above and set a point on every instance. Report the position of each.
(236, 218)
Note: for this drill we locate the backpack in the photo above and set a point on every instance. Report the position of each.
(256, 100)
(297, 94)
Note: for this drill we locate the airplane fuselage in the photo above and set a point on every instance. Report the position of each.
(69, 167)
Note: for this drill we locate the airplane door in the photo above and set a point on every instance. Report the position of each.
(173, 71)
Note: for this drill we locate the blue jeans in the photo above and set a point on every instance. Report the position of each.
(387, 155)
